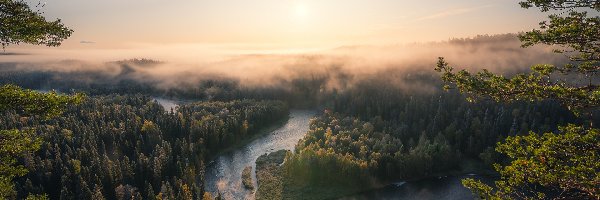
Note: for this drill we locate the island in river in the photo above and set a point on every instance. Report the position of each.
(224, 173)
(272, 184)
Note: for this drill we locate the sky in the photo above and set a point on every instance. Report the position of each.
(278, 25)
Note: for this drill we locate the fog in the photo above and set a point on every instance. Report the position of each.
(336, 68)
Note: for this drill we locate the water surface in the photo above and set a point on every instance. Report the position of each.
(223, 174)
(437, 188)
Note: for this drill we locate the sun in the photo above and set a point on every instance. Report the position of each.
(301, 11)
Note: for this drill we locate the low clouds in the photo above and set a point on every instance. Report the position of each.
(341, 66)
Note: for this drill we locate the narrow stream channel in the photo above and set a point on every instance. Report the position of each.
(224, 173)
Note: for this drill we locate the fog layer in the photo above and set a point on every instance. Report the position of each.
(326, 70)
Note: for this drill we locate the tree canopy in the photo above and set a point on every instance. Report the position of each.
(552, 165)
(575, 35)
(17, 143)
(20, 24)
(30, 102)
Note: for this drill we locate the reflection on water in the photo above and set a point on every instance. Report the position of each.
(224, 173)
(446, 188)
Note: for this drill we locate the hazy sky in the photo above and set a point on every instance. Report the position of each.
(274, 25)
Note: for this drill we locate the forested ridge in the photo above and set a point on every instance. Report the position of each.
(389, 126)
(384, 127)
(374, 133)
(373, 136)
(299, 92)
(117, 147)
(385, 118)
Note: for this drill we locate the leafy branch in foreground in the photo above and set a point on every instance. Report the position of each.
(20, 24)
(556, 166)
(563, 165)
(546, 5)
(534, 86)
(18, 143)
(14, 144)
(30, 102)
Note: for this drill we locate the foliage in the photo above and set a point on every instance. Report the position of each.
(16, 143)
(546, 5)
(123, 146)
(21, 24)
(347, 151)
(577, 35)
(300, 92)
(375, 133)
(29, 102)
(554, 165)
(534, 86)
(269, 176)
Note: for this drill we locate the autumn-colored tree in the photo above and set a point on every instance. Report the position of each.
(553, 165)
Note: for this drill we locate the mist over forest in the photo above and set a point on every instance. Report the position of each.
(300, 100)
(382, 117)
(264, 75)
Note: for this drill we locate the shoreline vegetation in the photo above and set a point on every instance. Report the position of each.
(388, 116)
(394, 124)
(247, 178)
(273, 181)
(269, 177)
(253, 136)
(113, 134)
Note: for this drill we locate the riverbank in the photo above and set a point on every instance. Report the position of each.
(223, 174)
(442, 185)
(269, 175)
(245, 141)
(274, 183)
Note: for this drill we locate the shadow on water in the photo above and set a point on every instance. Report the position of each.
(437, 188)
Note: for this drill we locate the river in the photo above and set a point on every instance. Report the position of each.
(223, 174)
(436, 188)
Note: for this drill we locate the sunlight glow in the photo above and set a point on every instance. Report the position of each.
(287, 24)
(301, 11)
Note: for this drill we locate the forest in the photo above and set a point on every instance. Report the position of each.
(374, 131)
(385, 115)
(129, 147)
